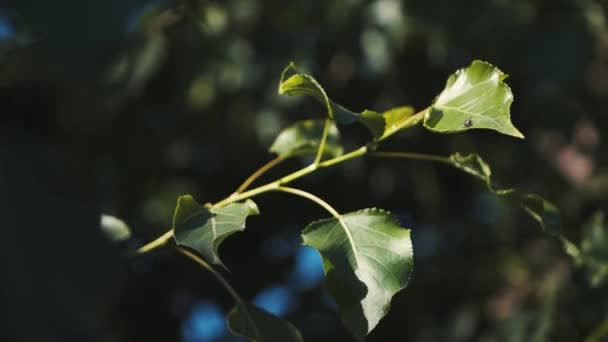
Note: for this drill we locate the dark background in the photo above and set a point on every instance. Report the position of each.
(119, 107)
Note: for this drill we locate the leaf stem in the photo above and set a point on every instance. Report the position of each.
(162, 240)
(278, 184)
(264, 188)
(409, 122)
(445, 160)
(289, 178)
(311, 197)
(323, 141)
(415, 156)
(213, 271)
(258, 173)
(353, 154)
(317, 164)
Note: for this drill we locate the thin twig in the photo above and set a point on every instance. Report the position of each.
(323, 141)
(154, 244)
(258, 173)
(213, 271)
(408, 155)
(311, 197)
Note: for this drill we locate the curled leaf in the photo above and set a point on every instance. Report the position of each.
(295, 83)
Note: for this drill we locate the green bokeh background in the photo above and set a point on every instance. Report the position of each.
(119, 107)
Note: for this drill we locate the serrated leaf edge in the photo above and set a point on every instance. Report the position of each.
(373, 210)
(501, 77)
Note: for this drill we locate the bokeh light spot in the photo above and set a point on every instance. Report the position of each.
(206, 323)
(277, 300)
(308, 269)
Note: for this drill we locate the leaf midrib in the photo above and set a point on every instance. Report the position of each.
(250, 319)
(474, 114)
(214, 223)
(470, 89)
(350, 239)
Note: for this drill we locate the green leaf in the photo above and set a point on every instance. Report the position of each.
(304, 137)
(397, 119)
(204, 229)
(473, 97)
(260, 326)
(295, 83)
(594, 249)
(473, 165)
(367, 258)
(114, 228)
(541, 210)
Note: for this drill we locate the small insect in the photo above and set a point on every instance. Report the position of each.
(468, 123)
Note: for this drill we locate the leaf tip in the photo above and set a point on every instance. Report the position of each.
(516, 133)
(290, 66)
(252, 207)
(485, 64)
(186, 205)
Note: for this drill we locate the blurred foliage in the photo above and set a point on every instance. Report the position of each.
(594, 254)
(148, 100)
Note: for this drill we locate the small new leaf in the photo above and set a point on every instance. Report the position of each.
(368, 258)
(115, 229)
(204, 229)
(397, 119)
(295, 83)
(473, 97)
(258, 325)
(304, 137)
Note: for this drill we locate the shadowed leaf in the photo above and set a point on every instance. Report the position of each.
(258, 325)
(295, 83)
(303, 138)
(367, 258)
(204, 229)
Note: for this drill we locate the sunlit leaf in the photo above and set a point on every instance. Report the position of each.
(367, 258)
(541, 210)
(295, 83)
(114, 228)
(258, 325)
(204, 229)
(473, 97)
(304, 137)
(397, 119)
